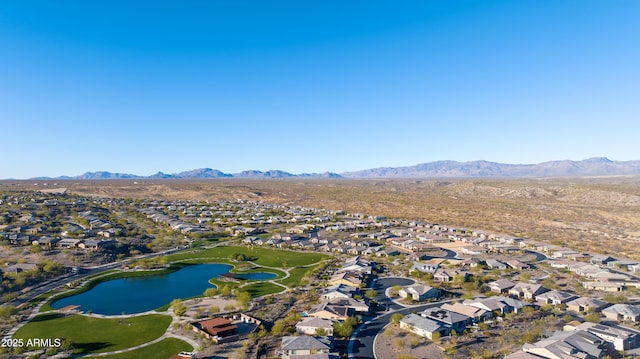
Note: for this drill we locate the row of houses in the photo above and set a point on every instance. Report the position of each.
(456, 317)
(337, 302)
(82, 243)
(597, 277)
(584, 340)
(172, 221)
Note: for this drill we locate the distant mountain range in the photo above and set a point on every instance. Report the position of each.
(599, 166)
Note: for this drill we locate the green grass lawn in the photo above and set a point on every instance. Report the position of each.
(262, 256)
(163, 349)
(295, 276)
(96, 335)
(262, 288)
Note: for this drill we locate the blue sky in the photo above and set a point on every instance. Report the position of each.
(308, 86)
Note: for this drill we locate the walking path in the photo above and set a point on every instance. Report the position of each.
(175, 319)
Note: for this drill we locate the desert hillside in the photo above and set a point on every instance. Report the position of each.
(596, 214)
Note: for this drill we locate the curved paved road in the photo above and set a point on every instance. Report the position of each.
(361, 343)
(381, 286)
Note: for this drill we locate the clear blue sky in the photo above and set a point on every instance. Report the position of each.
(313, 86)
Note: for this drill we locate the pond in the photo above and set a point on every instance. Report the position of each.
(257, 276)
(140, 294)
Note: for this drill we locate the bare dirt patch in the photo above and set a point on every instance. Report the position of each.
(393, 342)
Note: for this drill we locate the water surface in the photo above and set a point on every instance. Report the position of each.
(140, 294)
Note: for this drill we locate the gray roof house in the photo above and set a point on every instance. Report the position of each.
(495, 264)
(501, 286)
(454, 320)
(622, 312)
(419, 292)
(578, 344)
(309, 326)
(555, 297)
(502, 305)
(586, 304)
(337, 292)
(601, 259)
(423, 327)
(478, 314)
(424, 267)
(304, 345)
(621, 338)
(527, 290)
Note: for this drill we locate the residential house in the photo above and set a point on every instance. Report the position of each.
(522, 355)
(567, 345)
(601, 259)
(19, 267)
(367, 251)
(419, 292)
(586, 304)
(622, 312)
(501, 286)
(293, 346)
(96, 243)
(621, 338)
(337, 292)
(69, 243)
(622, 264)
(604, 286)
(356, 264)
(477, 314)
(424, 267)
(47, 242)
(424, 327)
(447, 275)
(555, 297)
(311, 326)
(474, 250)
(330, 311)
(345, 278)
(472, 262)
(527, 290)
(357, 305)
(500, 305)
(453, 320)
(495, 264)
(517, 265)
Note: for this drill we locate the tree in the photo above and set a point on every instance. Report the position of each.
(179, 308)
(242, 297)
(592, 317)
(395, 290)
(345, 329)
(278, 328)
(210, 292)
(7, 311)
(320, 332)
(225, 291)
(396, 318)
(436, 337)
(612, 298)
(35, 249)
(371, 294)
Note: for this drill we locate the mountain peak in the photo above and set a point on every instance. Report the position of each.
(596, 166)
(597, 160)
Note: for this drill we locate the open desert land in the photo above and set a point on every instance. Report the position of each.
(600, 215)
